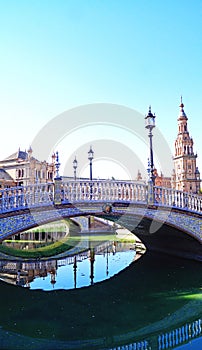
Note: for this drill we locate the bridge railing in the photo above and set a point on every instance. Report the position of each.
(174, 198)
(22, 197)
(103, 190)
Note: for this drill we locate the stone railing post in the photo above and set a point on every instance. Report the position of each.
(57, 190)
(150, 193)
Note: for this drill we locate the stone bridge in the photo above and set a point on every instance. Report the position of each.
(165, 220)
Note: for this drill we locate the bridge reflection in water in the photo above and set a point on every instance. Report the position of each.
(103, 316)
(96, 262)
(153, 305)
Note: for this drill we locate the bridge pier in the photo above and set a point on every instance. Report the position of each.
(83, 222)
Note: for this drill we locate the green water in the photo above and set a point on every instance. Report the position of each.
(152, 296)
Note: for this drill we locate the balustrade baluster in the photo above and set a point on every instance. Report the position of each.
(124, 192)
(169, 201)
(199, 325)
(103, 191)
(192, 330)
(132, 192)
(180, 335)
(170, 339)
(173, 337)
(183, 333)
(186, 331)
(176, 337)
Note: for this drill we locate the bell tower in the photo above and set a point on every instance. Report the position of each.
(186, 176)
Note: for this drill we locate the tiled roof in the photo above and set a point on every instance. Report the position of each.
(17, 155)
(4, 175)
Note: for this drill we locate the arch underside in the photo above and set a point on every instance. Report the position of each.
(167, 238)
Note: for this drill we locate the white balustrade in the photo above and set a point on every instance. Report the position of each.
(96, 190)
(25, 197)
(179, 199)
(105, 190)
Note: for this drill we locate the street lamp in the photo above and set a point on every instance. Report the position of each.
(90, 157)
(75, 165)
(57, 166)
(150, 124)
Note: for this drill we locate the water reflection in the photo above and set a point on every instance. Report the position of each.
(150, 306)
(154, 304)
(99, 262)
(176, 338)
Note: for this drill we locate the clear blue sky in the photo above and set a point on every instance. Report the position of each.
(56, 55)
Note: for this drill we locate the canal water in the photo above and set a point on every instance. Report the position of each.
(109, 296)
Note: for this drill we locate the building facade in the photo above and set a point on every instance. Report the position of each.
(24, 169)
(186, 176)
(161, 180)
(6, 180)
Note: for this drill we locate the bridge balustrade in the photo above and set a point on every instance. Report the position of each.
(179, 199)
(103, 190)
(21, 197)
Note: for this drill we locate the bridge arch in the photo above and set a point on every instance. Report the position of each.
(176, 233)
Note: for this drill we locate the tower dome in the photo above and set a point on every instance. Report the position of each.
(182, 114)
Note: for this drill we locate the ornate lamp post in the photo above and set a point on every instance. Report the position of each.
(75, 165)
(150, 124)
(58, 180)
(90, 157)
(57, 166)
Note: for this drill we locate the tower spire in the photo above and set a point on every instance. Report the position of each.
(182, 114)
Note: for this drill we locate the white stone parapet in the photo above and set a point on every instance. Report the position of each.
(72, 191)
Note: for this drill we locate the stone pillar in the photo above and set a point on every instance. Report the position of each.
(57, 190)
(150, 193)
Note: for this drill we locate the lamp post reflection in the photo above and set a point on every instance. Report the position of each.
(107, 266)
(92, 260)
(53, 277)
(75, 270)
